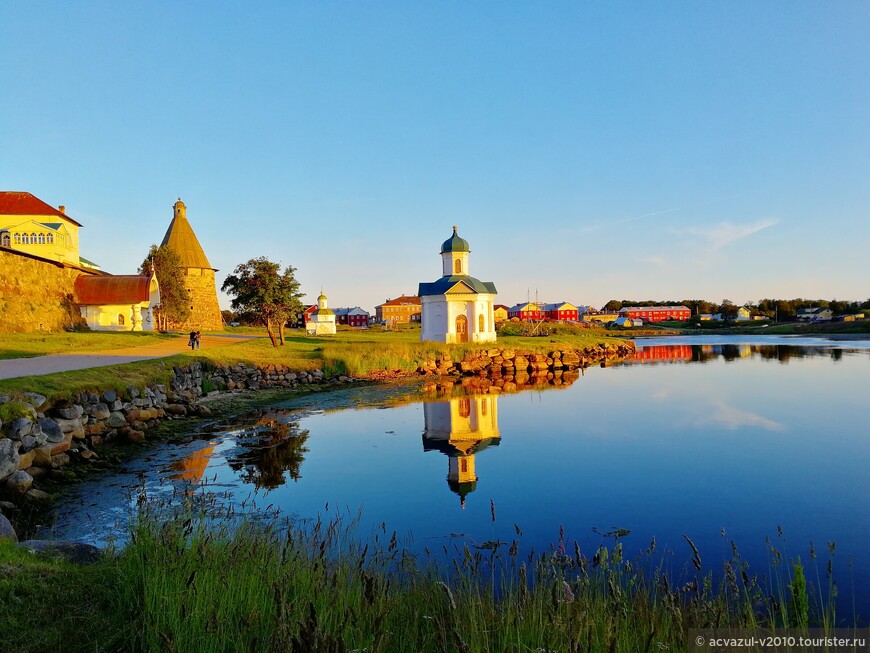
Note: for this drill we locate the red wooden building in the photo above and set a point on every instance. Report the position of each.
(527, 311)
(657, 313)
(561, 312)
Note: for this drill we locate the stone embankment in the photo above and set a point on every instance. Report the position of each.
(44, 438)
(509, 370)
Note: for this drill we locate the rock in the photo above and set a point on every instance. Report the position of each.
(110, 396)
(69, 425)
(25, 459)
(98, 411)
(176, 409)
(52, 430)
(37, 496)
(19, 482)
(117, 420)
(59, 460)
(28, 442)
(75, 552)
(42, 456)
(6, 530)
(34, 399)
(19, 427)
(7, 508)
(71, 412)
(8, 457)
(132, 435)
(132, 391)
(203, 411)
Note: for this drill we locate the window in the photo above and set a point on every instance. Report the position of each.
(464, 465)
(458, 266)
(32, 239)
(4, 239)
(51, 239)
(120, 319)
(42, 239)
(465, 407)
(481, 323)
(17, 239)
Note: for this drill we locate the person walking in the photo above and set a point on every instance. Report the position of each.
(198, 339)
(192, 342)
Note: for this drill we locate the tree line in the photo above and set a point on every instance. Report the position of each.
(781, 309)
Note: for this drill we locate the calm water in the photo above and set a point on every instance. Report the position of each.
(690, 438)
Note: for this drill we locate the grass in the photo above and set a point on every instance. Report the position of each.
(40, 344)
(219, 582)
(353, 352)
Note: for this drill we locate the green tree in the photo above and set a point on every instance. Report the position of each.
(174, 305)
(260, 288)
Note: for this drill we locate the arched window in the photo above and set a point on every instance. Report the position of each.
(4, 239)
(465, 407)
(51, 239)
(458, 266)
(17, 239)
(480, 323)
(42, 239)
(120, 319)
(464, 465)
(32, 239)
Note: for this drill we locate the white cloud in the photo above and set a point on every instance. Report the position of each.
(726, 233)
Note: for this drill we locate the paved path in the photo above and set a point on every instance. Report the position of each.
(15, 367)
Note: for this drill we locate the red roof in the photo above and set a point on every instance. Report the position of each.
(404, 300)
(118, 289)
(19, 203)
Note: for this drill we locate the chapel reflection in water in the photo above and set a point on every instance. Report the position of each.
(460, 428)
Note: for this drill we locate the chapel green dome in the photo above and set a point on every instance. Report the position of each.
(455, 243)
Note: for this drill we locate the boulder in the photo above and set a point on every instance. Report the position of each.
(110, 396)
(28, 442)
(98, 410)
(34, 399)
(19, 482)
(53, 430)
(6, 530)
(37, 496)
(71, 412)
(74, 552)
(25, 459)
(8, 457)
(19, 427)
(117, 420)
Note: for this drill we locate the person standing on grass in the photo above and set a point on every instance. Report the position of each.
(198, 339)
(192, 342)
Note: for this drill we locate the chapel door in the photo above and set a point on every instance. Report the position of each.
(461, 329)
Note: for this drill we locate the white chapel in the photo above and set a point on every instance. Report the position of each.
(322, 321)
(457, 308)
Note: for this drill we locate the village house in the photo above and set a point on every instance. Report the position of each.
(561, 312)
(526, 311)
(353, 317)
(657, 313)
(815, 314)
(457, 307)
(401, 310)
(743, 314)
(500, 313)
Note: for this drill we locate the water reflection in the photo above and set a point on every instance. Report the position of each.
(684, 353)
(270, 451)
(461, 427)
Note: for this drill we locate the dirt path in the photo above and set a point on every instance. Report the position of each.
(15, 367)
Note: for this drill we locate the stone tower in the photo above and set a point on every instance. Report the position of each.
(199, 277)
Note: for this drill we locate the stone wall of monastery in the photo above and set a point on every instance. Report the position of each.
(36, 295)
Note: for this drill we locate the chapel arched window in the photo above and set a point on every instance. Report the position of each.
(120, 319)
(458, 266)
(42, 239)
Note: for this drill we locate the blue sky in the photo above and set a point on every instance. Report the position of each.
(587, 151)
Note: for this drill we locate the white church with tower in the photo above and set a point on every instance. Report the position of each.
(457, 308)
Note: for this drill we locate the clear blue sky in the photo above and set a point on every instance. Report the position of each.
(588, 151)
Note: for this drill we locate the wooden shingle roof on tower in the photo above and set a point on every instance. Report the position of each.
(180, 237)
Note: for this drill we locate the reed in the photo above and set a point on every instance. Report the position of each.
(207, 579)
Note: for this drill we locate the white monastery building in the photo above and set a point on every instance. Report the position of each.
(118, 302)
(322, 321)
(457, 308)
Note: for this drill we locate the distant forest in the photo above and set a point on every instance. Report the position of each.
(782, 309)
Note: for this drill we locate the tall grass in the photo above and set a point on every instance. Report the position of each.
(221, 582)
